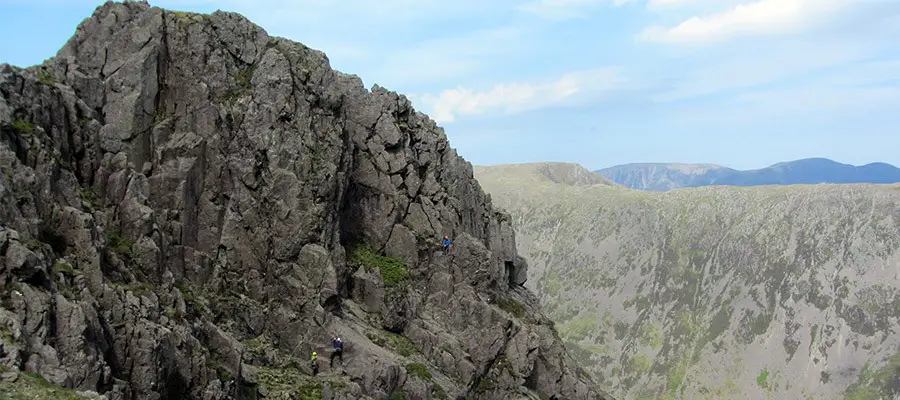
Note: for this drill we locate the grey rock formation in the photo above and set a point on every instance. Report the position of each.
(190, 207)
(780, 292)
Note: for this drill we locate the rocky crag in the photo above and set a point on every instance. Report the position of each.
(769, 292)
(190, 207)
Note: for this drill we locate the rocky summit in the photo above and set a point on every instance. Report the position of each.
(191, 208)
(767, 292)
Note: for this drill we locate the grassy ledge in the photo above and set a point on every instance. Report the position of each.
(32, 386)
(393, 270)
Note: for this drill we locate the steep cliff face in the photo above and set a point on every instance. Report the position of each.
(190, 207)
(784, 292)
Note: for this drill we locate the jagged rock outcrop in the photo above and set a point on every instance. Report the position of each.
(779, 292)
(190, 207)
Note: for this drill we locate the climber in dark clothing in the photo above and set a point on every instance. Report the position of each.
(315, 363)
(338, 346)
(445, 245)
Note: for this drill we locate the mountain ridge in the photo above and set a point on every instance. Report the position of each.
(780, 291)
(667, 176)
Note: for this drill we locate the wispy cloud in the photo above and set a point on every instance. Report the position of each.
(854, 91)
(760, 17)
(763, 65)
(517, 97)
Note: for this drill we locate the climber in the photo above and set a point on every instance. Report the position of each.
(445, 245)
(338, 346)
(315, 363)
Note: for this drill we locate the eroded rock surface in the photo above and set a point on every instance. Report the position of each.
(190, 207)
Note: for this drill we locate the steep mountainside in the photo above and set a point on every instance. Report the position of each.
(780, 292)
(661, 177)
(541, 173)
(190, 207)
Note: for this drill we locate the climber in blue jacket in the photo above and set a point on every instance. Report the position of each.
(445, 245)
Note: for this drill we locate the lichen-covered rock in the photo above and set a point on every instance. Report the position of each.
(190, 207)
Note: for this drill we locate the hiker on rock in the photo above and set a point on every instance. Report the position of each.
(445, 245)
(338, 346)
(315, 363)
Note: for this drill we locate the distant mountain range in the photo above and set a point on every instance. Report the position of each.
(667, 176)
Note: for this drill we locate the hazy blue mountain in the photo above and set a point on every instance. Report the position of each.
(667, 176)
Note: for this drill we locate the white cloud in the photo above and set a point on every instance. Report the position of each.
(860, 90)
(753, 66)
(760, 17)
(517, 97)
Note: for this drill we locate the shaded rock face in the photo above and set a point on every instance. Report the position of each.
(190, 207)
(784, 292)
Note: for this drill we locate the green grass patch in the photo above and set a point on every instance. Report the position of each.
(640, 364)
(88, 199)
(763, 379)
(512, 306)
(580, 327)
(397, 394)
(121, 245)
(393, 270)
(397, 343)
(675, 377)
(259, 348)
(33, 244)
(31, 386)
(439, 393)
(551, 285)
(192, 299)
(484, 384)
(419, 371)
(65, 268)
(241, 86)
(6, 335)
(22, 126)
(244, 77)
(651, 335)
(288, 384)
(187, 18)
(45, 77)
(875, 383)
(138, 288)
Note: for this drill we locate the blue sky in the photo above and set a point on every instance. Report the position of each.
(742, 83)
